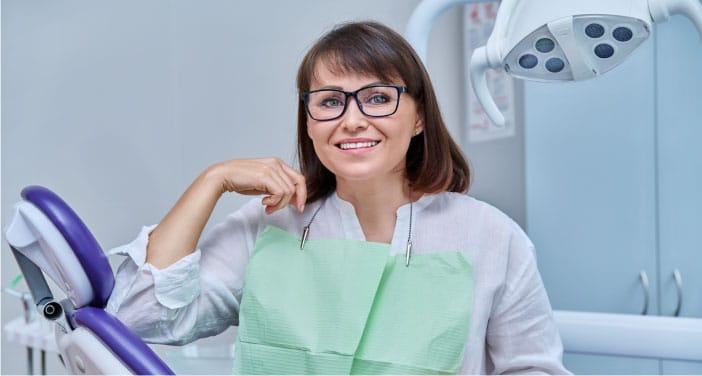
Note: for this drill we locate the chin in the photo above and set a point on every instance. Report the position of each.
(363, 173)
(355, 175)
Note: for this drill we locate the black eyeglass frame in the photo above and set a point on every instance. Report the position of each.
(305, 97)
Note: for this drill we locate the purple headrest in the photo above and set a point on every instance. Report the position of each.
(86, 248)
(133, 353)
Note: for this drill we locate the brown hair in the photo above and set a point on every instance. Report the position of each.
(434, 161)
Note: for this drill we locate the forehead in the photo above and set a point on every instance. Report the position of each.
(328, 73)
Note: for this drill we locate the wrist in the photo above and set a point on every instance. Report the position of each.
(213, 179)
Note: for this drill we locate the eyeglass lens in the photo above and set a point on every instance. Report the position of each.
(373, 101)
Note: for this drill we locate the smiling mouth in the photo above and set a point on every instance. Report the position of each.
(357, 145)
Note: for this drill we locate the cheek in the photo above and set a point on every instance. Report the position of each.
(320, 132)
(313, 132)
(318, 138)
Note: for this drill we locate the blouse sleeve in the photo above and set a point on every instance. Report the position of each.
(199, 295)
(522, 336)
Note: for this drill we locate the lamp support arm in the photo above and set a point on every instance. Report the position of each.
(661, 10)
(422, 20)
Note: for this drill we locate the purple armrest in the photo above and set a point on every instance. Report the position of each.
(134, 353)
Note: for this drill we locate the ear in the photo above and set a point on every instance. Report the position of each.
(419, 124)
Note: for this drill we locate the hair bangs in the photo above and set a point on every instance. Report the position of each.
(355, 60)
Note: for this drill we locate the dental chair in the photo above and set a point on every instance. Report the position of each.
(48, 238)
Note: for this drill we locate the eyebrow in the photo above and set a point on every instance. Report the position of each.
(332, 87)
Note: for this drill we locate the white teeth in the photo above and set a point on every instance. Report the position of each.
(358, 145)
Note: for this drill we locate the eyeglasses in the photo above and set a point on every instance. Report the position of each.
(373, 101)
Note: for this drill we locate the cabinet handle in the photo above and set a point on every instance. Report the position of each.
(644, 283)
(678, 286)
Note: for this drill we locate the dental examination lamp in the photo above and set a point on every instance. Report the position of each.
(554, 40)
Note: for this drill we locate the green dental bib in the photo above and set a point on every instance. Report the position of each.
(348, 307)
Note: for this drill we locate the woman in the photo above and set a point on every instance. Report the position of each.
(369, 260)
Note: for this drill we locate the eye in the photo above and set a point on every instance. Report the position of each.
(327, 99)
(378, 99)
(331, 102)
(378, 95)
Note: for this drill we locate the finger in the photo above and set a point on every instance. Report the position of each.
(281, 190)
(282, 201)
(288, 179)
(287, 191)
(291, 179)
(301, 195)
(270, 200)
(300, 187)
(273, 200)
(272, 187)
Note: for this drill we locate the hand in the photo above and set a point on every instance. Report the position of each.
(272, 177)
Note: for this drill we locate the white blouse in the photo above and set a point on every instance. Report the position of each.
(512, 329)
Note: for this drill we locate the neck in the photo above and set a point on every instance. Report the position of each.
(374, 195)
(376, 204)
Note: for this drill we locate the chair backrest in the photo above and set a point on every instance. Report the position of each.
(47, 237)
(81, 241)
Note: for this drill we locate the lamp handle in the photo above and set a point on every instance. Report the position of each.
(479, 65)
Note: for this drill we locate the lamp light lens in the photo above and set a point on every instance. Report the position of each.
(622, 34)
(555, 65)
(545, 45)
(528, 61)
(604, 51)
(594, 30)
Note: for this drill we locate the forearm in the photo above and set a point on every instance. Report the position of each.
(179, 232)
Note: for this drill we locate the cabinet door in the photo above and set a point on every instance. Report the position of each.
(591, 190)
(679, 55)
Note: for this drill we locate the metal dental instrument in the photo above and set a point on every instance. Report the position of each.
(408, 251)
(306, 229)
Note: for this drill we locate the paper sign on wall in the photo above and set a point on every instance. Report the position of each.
(479, 21)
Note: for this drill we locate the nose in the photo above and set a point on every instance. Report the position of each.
(354, 119)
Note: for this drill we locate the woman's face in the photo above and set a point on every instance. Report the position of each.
(356, 147)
